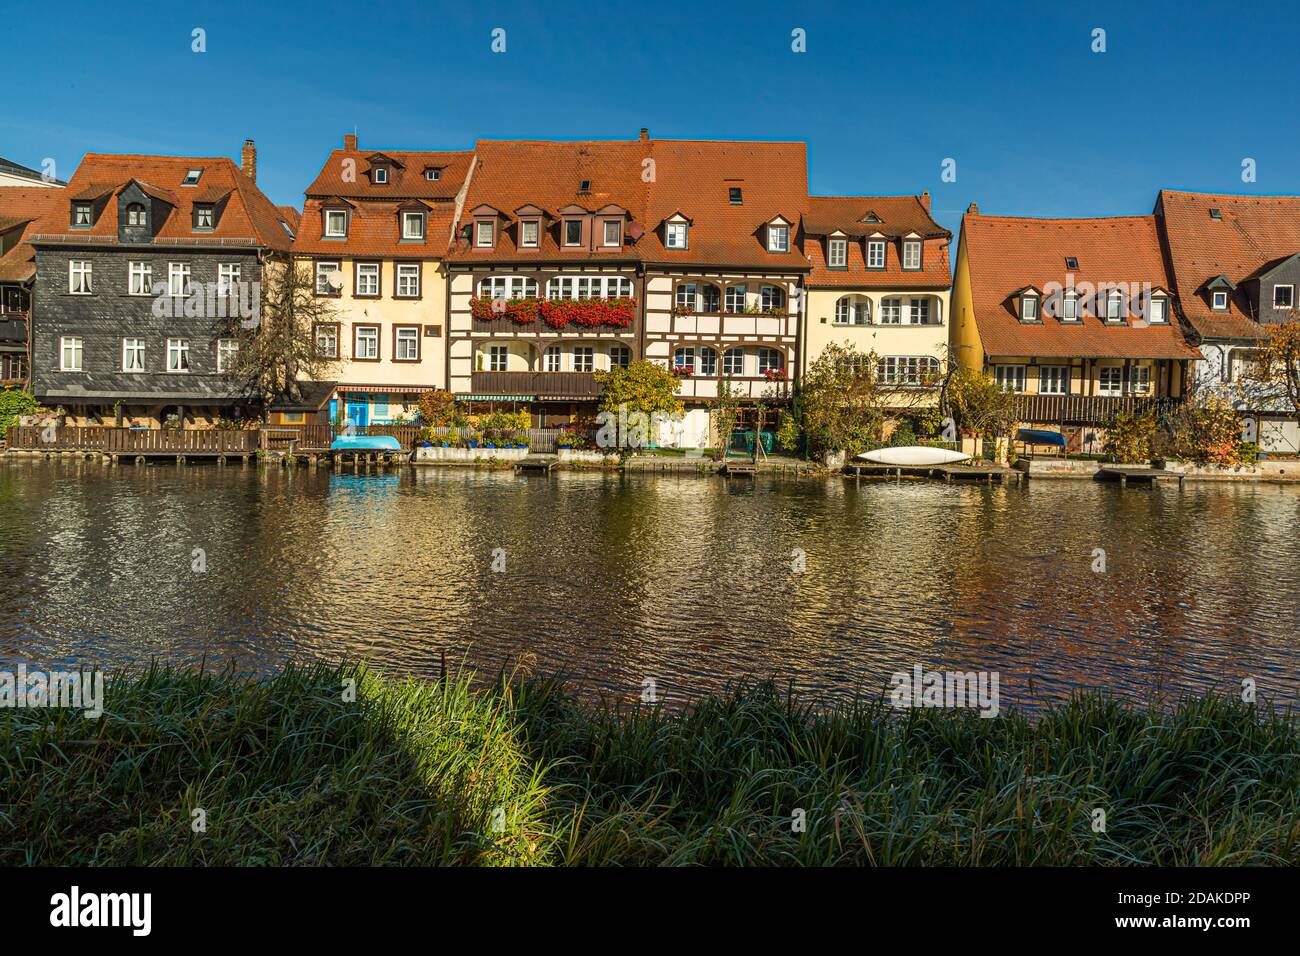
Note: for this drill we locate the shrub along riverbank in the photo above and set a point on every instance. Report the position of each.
(289, 772)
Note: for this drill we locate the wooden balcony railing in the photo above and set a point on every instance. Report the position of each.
(557, 385)
(1086, 409)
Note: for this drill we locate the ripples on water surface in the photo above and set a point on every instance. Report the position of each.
(613, 578)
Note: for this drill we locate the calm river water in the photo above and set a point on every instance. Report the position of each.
(613, 579)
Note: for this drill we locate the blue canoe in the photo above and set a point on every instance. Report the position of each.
(366, 443)
(1040, 436)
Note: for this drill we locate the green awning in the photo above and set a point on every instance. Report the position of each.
(496, 398)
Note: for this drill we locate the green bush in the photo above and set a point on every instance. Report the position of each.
(14, 403)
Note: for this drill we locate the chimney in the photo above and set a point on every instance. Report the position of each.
(925, 199)
(349, 140)
(973, 209)
(645, 134)
(248, 160)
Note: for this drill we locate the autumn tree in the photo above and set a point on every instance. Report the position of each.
(1274, 377)
(840, 404)
(980, 406)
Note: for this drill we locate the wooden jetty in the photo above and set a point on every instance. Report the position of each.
(542, 463)
(1137, 474)
(976, 472)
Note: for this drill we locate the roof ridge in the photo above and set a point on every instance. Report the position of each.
(1050, 219)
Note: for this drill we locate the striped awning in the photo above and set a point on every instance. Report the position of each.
(496, 398)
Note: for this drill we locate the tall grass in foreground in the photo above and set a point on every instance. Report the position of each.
(288, 772)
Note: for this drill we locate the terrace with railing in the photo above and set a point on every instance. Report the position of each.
(1086, 409)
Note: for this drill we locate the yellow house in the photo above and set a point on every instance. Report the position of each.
(879, 282)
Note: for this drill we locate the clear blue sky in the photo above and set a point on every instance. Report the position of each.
(1038, 124)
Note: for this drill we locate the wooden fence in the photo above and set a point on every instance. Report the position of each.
(132, 441)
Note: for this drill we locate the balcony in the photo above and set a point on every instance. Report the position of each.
(1086, 409)
(571, 386)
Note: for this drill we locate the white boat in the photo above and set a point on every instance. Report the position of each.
(906, 455)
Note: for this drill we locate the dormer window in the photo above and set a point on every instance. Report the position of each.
(192, 177)
(876, 254)
(1283, 296)
(1070, 306)
(135, 215)
(379, 175)
(1114, 306)
(1158, 310)
(912, 254)
(204, 216)
(529, 231)
(778, 238)
(573, 232)
(81, 217)
(412, 225)
(336, 223)
(837, 254)
(736, 196)
(1029, 307)
(613, 232)
(675, 235)
(433, 175)
(1219, 301)
(484, 234)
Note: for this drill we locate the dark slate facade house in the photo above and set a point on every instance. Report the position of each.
(20, 209)
(141, 271)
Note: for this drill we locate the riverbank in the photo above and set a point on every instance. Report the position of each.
(294, 770)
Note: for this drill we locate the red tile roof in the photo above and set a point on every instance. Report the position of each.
(346, 173)
(22, 207)
(291, 215)
(374, 231)
(249, 216)
(1008, 254)
(1253, 231)
(899, 216)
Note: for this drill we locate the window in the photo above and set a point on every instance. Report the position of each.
(178, 278)
(552, 358)
(365, 343)
(584, 358)
(327, 341)
(508, 287)
(773, 298)
(408, 280)
(498, 358)
(620, 356)
(204, 217)
(1070, 307)
(736, 298)
(1283, 296)
(367, 283)
(911, 370)
(735, 196)
(227, 277)
(1110, 380)
(336, 223)
(837, 256)
(613, 232)
(733, 362)
(876, 254)
(1139, 380)
(698, 297)
(853, 310)
(323, 272)
(134, 215)
(701, 360)
(1159, 312)
(528, 233)
(70, 353)
(1029, 308)
(684, 358)
(769, 360)
(1114, 307)
(406, 344)
(1071, 262)
(686, 297)
(1010, 377)
(81, 215)
(675, 236)
(227, 352)
(1054, 380)
(573, 232)
(379, 175)
(192, 177)
(778, 238)
(484, 233)
(920, 312)
(79, 277)
(139, 278)
(891, 311)
(912, 254)
(589, 287)
(412, 225)
(1219, 302)
(178, 355)
(433, 175)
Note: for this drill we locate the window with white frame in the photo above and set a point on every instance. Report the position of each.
(528, 232)
(228, 274)
(769, 360)
(323, 272)
(408, 280)
(1219, 301)
(406, 347)
(912, 254)
(573, 232)
(1158, 310)
(227, 353)
(367, 282)
(919, 313)
(204, 217)
(178, 355)
(484, 233)
(733, 362)
(1070, 307)
(433, 175)
(620, 356)
(853, 310)
(1283, 296)
(736, 298)
(891, 311)
(178, 278)
(79, 277)
(613, 232)
(70, 353)
(133, 355)
(365, 342)
(412, 225)
(135, 215)
(778, 238)
(1110, 380)
(876, 254)
(327, 341)
(336, 223)
(1114, 306)
(588, 287)
(379, 175)
(1029, 308)
(139, 278)
(910, 370)
(1054, 380)
(584, 358)
(675, 235)
(498, 358)
(772, 297)
(1139, 379)
(552, 359)
(81, 215)
(508, 287)
(837, 254)
(1010, 377)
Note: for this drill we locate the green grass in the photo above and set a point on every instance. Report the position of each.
(289, 772)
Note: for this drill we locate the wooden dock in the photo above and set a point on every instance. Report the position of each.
(979, 472)
(1137, 474)
(542, 463)
(743, 467)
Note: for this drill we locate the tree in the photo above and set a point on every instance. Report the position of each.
(840, 404)
(980, 406)
(438, 408)
(1274, 378)
(725, 414)
(14, 403)
(279, 351)
(641, 387)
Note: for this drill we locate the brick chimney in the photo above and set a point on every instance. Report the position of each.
(925, 199)
(248, 160)
(645, 134)
(973, 209)
(349, 140)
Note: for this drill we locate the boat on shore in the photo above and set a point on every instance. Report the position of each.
(365, 443)
(914, 455)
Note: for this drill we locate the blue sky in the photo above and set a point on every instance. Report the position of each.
(1037, 123)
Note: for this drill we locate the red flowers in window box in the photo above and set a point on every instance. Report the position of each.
(683, 371)
(519, 311)
(559, 313)
(775, 375)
